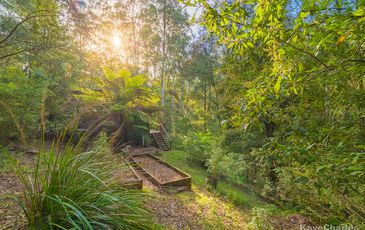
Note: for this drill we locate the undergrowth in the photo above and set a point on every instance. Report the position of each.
(74, 189)
(240, 198)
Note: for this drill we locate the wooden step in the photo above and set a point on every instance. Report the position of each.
(160, 140)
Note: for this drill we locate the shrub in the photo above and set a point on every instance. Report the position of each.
(239, 141)
(20, 103)
(199, 147)
(259, 220)
(221, 163)
(323, 181)
(75, 189)
(5, 162)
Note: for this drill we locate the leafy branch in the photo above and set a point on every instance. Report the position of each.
(30, 16)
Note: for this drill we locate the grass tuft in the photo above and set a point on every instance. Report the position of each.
(72, 189)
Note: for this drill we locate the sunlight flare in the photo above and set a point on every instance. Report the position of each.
(116, 40)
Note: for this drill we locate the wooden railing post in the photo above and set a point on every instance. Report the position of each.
(166, 136)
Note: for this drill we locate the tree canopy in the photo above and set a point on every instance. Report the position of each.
(268, 94)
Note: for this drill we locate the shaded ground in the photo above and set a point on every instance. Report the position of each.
(138, 150)
(195, 210)
(200, 209)
(294, 221)
(228, 207)
(10, 214)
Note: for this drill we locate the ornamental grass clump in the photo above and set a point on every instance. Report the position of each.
(74, 189)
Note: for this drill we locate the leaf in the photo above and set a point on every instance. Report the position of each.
(194, 17)
(360, 146)
(140, 127)
(301, 179)
(278, 84)
(359, 12)
(341, 39)
(321, 168)
(304, 14)
(118, 108)
(231, 45)
(124, 73)
(250, 44)
(234, 27)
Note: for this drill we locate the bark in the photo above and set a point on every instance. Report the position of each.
(205, 106)
(269, 127)
(164, 26)
(211, 181)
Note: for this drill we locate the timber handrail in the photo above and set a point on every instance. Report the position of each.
(166, 135)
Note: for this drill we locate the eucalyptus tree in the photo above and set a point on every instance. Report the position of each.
(200, 73)
(37, 67)
(165, 34)
(306, 93)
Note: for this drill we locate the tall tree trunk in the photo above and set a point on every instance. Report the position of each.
(172, 125)
(205, 106)
(164, 19)
(181, 103)
(135, 51)
(361, 109)
(216, 97)
(269, 127)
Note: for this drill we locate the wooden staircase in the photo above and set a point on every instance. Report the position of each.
(162, 138)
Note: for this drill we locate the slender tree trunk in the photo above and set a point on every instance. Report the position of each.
(205, 106)
(181, 104)
(269, 127)
(163, 54)
(361, 109)
(135, 51)
(172, 107)
(216, 97)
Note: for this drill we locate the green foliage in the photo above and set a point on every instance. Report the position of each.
(74, 189)
(284, 79)
(203, 150)
(118, 91)
(329, 187)
(294, 69)
(5, 161)
(239, 141)
(199, 87)
(221, 163)
(199, 147)
(123, 99)
(239, 197)
(259, 220)
(20, 102)
(137, 131)
(35, 71)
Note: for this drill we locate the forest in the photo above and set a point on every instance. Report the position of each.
(182, 114)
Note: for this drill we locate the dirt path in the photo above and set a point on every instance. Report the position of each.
(198, 209)
(11, 216)
(195, 210)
